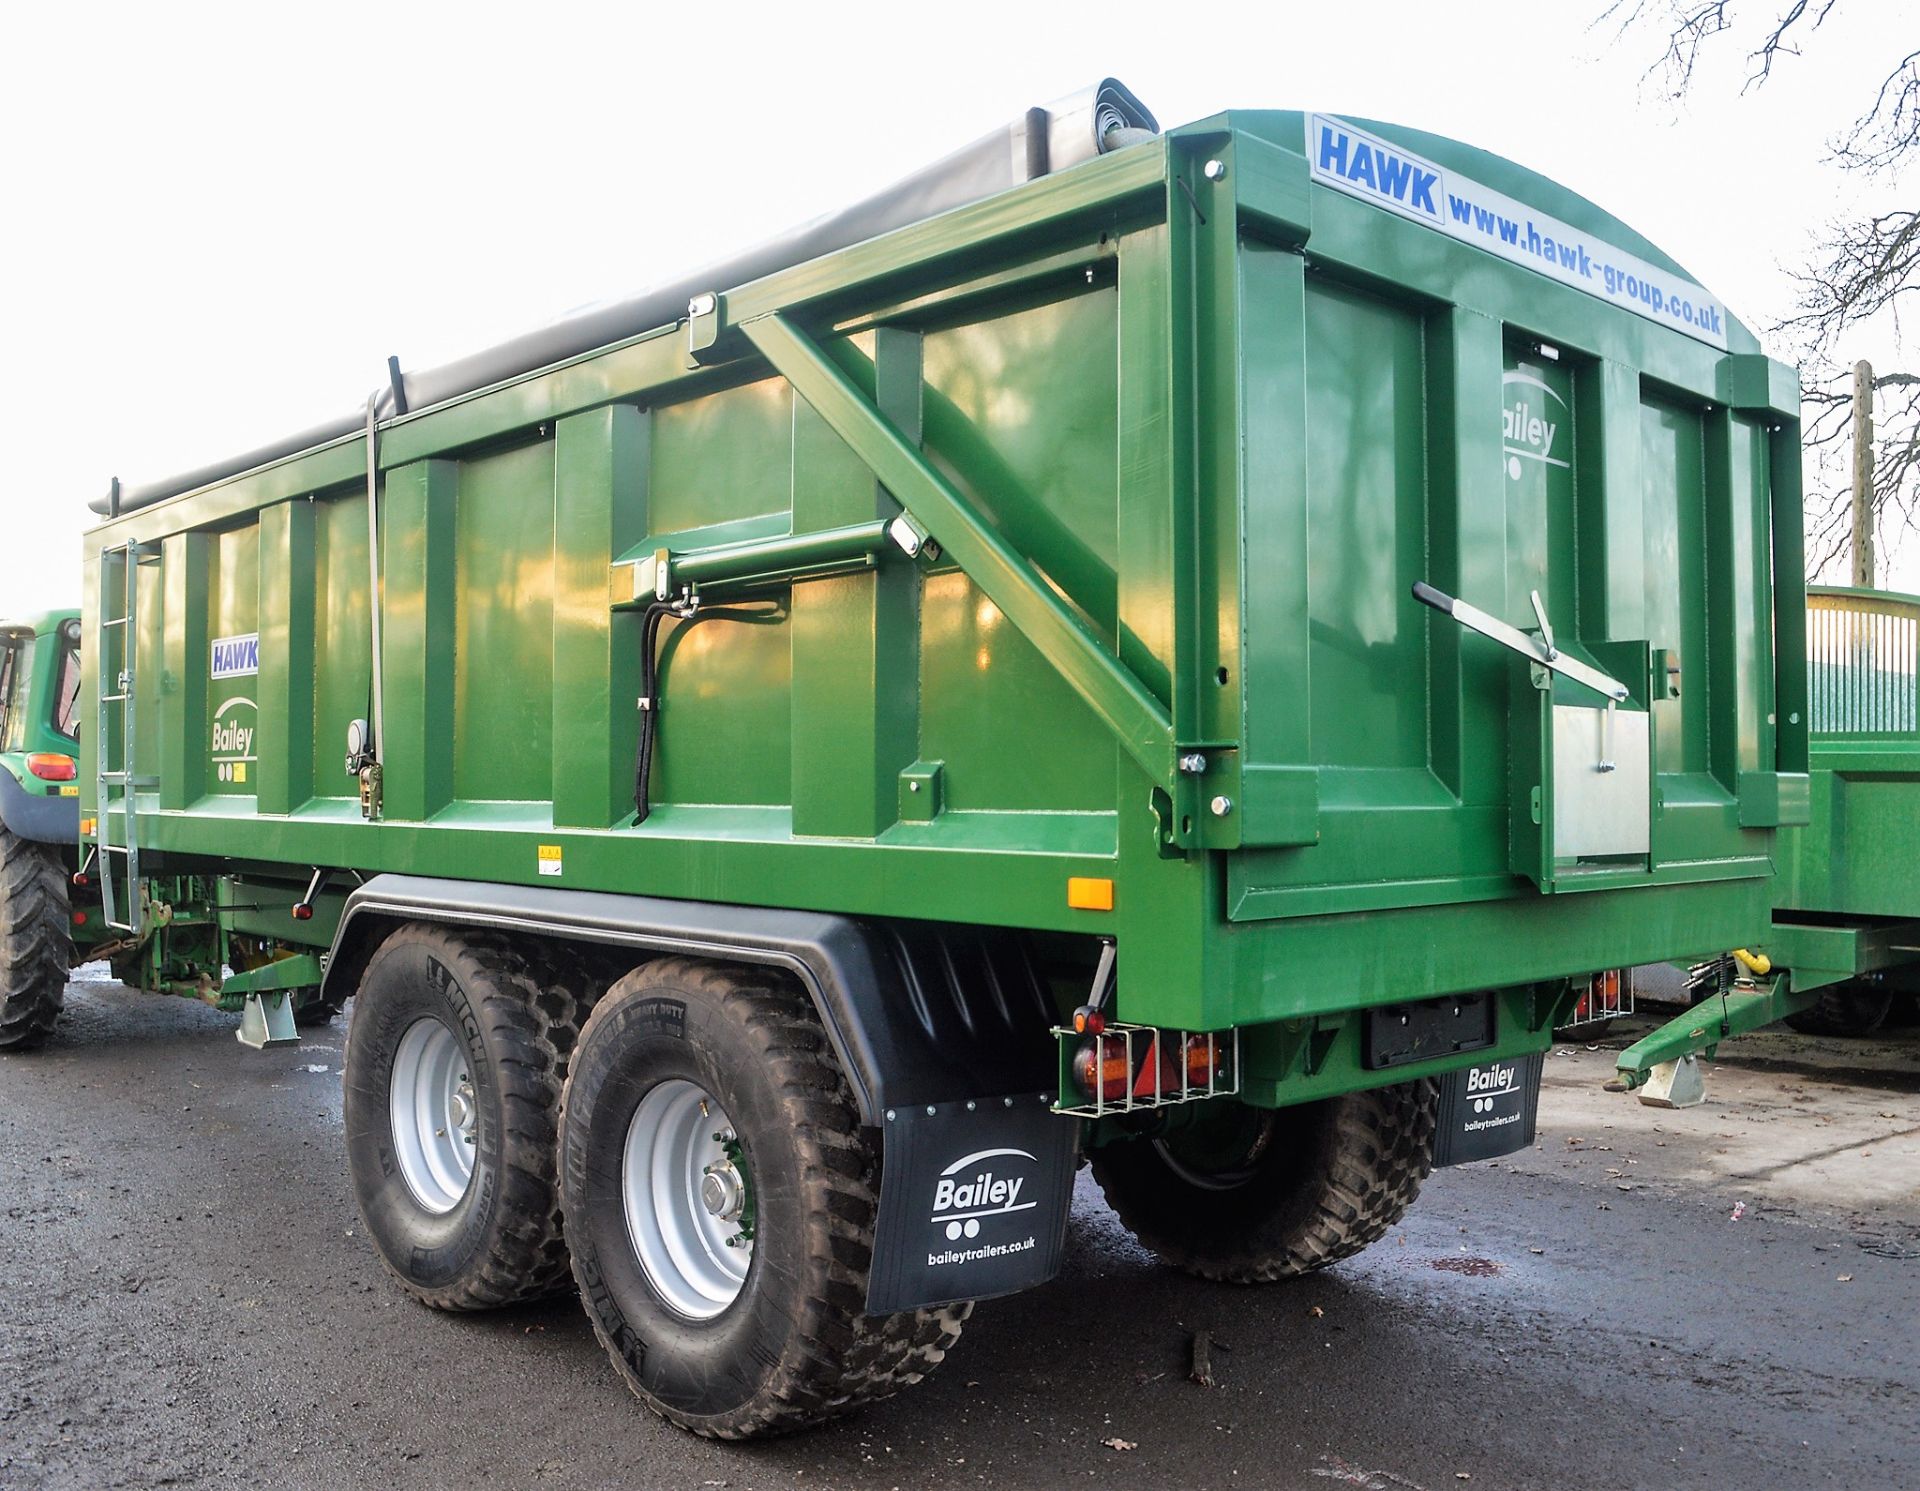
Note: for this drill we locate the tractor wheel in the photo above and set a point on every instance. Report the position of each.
(1852, 1008)
(36, 940)
(1250, 1195)
(721, 1198)
(453, 1070)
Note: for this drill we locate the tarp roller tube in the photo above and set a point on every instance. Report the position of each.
(1103, 117)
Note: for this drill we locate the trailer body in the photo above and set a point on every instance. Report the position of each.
(1311, 592)
(1215, 455)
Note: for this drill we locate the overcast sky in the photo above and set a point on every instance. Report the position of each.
(222, 219)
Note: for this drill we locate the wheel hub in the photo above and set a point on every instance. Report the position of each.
(461, 1108)
(435, 1114)
(722, 1191)
(688, 1196)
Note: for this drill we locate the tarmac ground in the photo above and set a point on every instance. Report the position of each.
(1722, 1296)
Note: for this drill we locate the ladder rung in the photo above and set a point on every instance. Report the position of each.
(115, 698)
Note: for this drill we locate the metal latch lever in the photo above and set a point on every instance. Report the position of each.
(1534, 650)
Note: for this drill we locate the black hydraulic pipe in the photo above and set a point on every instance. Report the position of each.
(647, 743)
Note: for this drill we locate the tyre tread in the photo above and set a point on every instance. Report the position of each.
(528, 1003)
(840, 1358)
(36, 941)
(1381, 1149)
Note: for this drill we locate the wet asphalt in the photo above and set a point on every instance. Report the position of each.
(187, 1299)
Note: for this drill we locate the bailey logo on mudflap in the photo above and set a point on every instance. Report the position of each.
(1487, 1110)
(960, 1204)
(972, 1193)
(973, 1201)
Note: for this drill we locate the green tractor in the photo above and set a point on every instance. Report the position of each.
(39, 821)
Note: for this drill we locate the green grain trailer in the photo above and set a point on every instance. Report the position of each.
(1848, 899)
(1192, 646)
(1845, 939)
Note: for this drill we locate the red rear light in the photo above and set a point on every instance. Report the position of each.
(1100, 1068)
(1138, 1066)
(50, 766)
(1203, 1060)
(1600, 1000)
(79, 918)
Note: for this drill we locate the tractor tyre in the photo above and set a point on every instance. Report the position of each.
(36, 940)
(721, 1199)
(1251, 1195)
(454, 1064)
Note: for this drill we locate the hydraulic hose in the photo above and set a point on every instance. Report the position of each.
(646, 746)
(649, 704)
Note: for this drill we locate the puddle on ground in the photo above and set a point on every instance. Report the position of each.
(1474, 1268)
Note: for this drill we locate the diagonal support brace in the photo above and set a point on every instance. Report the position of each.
(1111, 690)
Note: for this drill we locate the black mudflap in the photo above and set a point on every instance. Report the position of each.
(1488, 1110)
(973, 1201)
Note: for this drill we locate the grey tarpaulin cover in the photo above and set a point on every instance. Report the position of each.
(1075, 129)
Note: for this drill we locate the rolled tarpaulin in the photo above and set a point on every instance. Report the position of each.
(1074, 129)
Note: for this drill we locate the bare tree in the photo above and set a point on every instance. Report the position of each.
(1865, 269)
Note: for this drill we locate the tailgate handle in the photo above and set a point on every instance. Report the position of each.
(1536, 650)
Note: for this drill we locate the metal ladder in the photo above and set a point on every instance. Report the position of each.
(115, 787)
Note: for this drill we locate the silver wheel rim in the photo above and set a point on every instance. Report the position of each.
(687, 1197)
(435, 1118)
